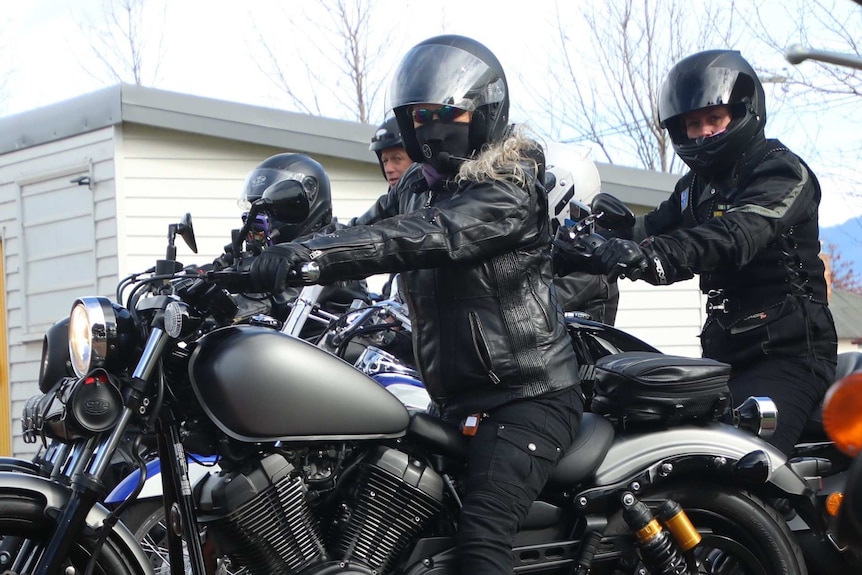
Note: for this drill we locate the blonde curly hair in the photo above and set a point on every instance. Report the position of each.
(502, 160)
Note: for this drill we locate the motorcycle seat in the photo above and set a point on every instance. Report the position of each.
(588, 450)
(583, 457)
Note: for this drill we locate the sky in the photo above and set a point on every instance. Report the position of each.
(210, 48)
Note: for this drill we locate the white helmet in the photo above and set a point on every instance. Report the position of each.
(570, 174)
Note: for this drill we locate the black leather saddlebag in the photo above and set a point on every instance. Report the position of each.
(636, 389)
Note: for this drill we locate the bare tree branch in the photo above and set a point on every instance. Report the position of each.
(612, 81)
(120, 37)
(347, 39)
(813, 88)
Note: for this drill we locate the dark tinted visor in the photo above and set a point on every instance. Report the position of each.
(694, 89)
(435, 74)
(260, 179)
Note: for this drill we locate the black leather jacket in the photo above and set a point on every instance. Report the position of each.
(752, 233)
(592, 294)
(753, 238)
(477, 277)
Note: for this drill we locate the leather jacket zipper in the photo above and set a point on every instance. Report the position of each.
(480, 344)
(538, 301)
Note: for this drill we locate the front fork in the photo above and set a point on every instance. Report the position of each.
(177, 492)
(88, 469)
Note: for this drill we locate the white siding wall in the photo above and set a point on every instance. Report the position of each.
(667, 317)
(58, 244)
(164, 174)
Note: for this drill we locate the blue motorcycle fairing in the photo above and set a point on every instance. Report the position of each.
(154, 469)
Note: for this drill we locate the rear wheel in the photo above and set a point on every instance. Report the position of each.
(25, 529)
(741, 535)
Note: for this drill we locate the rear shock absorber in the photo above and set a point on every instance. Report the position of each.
(658, 550)
(673, 516)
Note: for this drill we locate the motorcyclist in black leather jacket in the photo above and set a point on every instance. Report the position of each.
(468, 229)
(745, 219)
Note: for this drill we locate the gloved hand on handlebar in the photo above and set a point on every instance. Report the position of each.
(572, 252)
(622, 258)
(270, 270)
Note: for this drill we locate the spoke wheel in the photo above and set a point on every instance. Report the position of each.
(146, 520)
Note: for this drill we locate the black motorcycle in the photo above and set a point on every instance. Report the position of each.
(816, 457)
(323, 471)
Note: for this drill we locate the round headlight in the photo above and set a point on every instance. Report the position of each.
(92, 333)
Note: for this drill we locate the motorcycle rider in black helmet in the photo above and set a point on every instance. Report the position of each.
(745, 219)
(468, 228)
(336, 297)
(391, 155)
(306, 172)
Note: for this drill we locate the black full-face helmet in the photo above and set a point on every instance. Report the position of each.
(708, 79)
(387, 136)
(308, 174)
(457, 71)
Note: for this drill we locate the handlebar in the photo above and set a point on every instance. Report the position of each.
(240, 280)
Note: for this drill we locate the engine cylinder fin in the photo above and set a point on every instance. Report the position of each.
(389, 510)
(274, 532)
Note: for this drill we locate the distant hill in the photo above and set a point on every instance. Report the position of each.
(848, 238)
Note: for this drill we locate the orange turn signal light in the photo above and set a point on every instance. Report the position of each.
(842, 414)
(833, 503)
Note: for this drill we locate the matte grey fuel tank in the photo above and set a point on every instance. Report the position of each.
(258, 384)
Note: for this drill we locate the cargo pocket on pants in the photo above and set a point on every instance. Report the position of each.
(523, 460)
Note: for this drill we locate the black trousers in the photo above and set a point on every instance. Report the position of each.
(786, 352)
(511, 457)
(795, 385)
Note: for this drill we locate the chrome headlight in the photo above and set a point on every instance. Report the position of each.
(98, 329)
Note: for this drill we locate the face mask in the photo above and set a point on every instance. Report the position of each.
(444, 143)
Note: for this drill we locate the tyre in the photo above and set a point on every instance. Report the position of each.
(741, 535)
(146, 520)
(24, 531)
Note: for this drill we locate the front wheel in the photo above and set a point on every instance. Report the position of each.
(741, 535)
(146, 520)
(25, 528)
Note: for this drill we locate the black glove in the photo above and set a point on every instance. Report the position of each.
(270, 270)
(622, 258)
(575, 254)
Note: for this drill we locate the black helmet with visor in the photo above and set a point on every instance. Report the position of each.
(453, 71)
(703, 80)
(305, 172)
